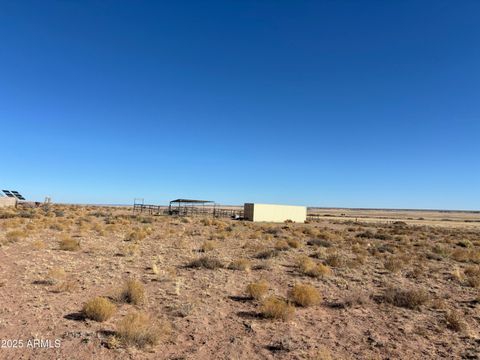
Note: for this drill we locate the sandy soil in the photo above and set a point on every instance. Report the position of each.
(210, 314)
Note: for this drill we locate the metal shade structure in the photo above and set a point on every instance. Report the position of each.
(190, 206)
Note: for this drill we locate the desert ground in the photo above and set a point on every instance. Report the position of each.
(101, 283)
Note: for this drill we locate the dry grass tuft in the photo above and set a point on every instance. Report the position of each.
(305, 295)
(55, 275)
(138, 329)
(356, 298)
(466, 255)
(410, 299)
(323, 354)
(457, 274)
(68, 285)
(472, 275)
(128, 250)
(241, 264)
(394, 264)
(276, 308)
(319, 270)
(282, 245)
(136, 235)
(206, 262)
(268, 254)
(310, 268)
(38, 245)
(99, 309)
(14, 236)
(209, 245)
(258, 290)
(69, 244)
(335, 260)
(304, 263)
(133, 292)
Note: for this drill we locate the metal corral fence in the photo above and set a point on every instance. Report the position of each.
(314, 217)
(150, 209)
(187, 211)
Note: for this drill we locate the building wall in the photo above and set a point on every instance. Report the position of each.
(7, 201)
(248, 211)
(275, 213)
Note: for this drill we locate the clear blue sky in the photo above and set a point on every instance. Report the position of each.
(327, 103)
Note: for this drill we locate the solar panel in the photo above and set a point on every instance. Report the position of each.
(13, 194)
(8, 193)
(17, 195)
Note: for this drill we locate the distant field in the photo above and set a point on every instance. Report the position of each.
(448, 218)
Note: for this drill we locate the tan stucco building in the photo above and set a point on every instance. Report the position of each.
(7, 201)
(274, 213)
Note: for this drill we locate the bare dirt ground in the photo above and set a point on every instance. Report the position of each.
(388, 289)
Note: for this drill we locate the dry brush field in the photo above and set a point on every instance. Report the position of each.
(110, 285)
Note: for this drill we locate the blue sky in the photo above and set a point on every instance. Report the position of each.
(326, 103)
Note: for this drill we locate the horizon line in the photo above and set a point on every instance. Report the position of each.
(307, 206)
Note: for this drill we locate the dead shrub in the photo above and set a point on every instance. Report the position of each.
(138, 329)
(132, 292)
(241, 264)
(356, 298)
(319, 242)
(466, 255)
(57, 227)
(394, 264)
(294, 243)
(99, 229)
(309, 230)
(258, 290)
(366, 235)
(465, 243)
(274, 307)
(455, 321)
(99, 309)
(335, 260)
(410, 299)
(206, 221)
(206, 262)
(440, 250)
(305, 295)
(264, 265)
(438, 304)
(69, 244)
(281, 245)
(268, 254)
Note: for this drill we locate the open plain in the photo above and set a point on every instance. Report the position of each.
(352, 285)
